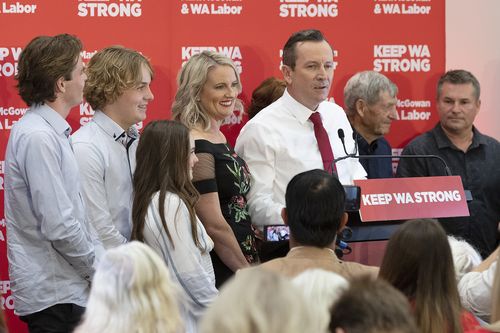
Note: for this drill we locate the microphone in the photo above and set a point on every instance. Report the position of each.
(366, 157)
(341, 135)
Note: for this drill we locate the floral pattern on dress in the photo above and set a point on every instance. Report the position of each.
(238, 203)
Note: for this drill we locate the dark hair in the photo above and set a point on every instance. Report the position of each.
(419, 263)
(289, 50)
(267, 92)
(162, 165)
(459, 76)
(315, 206)
(372, 305)
(44, 61)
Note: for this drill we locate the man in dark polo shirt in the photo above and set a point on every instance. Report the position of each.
(469, 154)
(370, 104)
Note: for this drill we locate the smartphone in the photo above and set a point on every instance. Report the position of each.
(276, 232)
(352, 198)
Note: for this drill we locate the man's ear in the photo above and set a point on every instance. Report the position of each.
(287, 73)
(60, 85)
(360, 107)
(343, 221)
(284, 216)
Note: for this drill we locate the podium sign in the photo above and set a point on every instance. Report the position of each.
(410, 198)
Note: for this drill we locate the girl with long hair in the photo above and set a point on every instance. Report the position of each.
(419, 263)
(164, 217)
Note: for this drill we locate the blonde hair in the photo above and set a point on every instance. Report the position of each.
(258, 301)
(131, 292)
(110, 72)
(186, 107)
(322, 288)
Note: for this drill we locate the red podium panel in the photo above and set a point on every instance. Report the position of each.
(410, 198)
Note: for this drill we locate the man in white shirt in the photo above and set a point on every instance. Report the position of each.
(49, 242)
(118, 90)
(281, 140)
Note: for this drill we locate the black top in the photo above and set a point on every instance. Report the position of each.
(375, 167)
(479, 169)
(227, 174)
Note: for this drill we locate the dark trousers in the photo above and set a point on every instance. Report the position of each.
(59, 318)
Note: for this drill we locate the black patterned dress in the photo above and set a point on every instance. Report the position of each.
(220, 170)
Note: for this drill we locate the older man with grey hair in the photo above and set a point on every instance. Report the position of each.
(370, 104)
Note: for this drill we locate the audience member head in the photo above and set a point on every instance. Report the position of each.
(208, 84)
(165, 159)
(131, 292)
(314, 208)
(258, 301)
(50, 66)
(308, 67)
(465, 257)
(419, 263)
(266, 93)
(370, 103)
(322, 288)
(122, 76)
(371, 306)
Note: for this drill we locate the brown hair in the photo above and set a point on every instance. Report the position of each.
(372, 305)
(44, 61)
(110, 72)
(266, 93)
(418, 262)
(162, 165)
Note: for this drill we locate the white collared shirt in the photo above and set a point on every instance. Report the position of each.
(190, 268)
(279, 142)
(49, 242)
(106, 157)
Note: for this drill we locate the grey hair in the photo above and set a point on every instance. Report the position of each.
(367, 86)
(186, 107)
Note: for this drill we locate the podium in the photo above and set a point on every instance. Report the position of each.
(385, 203)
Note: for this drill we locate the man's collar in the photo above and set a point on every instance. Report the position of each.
(111, 128)
(53, 118)
(298, 110)
(443, 141)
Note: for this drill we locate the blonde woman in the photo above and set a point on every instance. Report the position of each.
(131, 292)
(207, 94)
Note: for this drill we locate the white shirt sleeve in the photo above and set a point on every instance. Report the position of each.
(475, 289)
(256, 148)
(92, 171)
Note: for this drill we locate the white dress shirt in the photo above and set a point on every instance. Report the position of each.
(106, 157)
(475, 289)
(190, 267)
(279, 142)
(49, 242)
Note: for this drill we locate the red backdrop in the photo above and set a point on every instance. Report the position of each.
(404, 39)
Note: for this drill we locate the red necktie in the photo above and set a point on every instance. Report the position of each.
(323, 143)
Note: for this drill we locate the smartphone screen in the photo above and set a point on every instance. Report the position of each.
(352, 198)
(276, 232)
